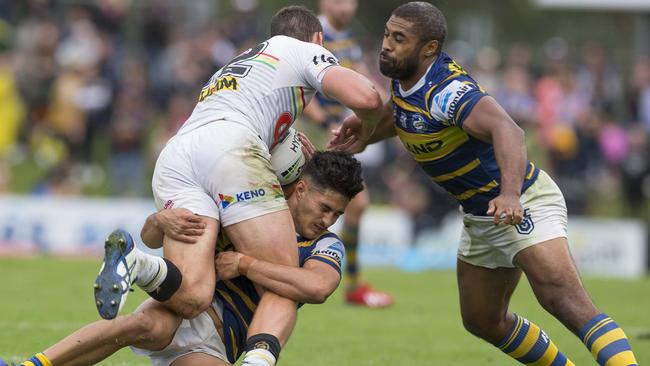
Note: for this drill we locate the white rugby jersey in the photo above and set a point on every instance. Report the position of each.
(265, 88)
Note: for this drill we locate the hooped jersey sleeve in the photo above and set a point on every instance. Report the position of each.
(454, 101)
(330, 250)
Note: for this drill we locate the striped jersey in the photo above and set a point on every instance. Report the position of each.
(346, 49)
(265, 88)
(429, 119)
(240, 298)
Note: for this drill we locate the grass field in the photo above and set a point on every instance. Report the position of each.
(41, 300)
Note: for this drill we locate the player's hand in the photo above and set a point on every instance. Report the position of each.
(308, 149)
(352, 136)
(506, 209)
(227, 265)
(180, 224)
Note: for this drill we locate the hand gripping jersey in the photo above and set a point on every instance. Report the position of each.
(265, 88)
(429, 119)
(346, 49)
(240, 298)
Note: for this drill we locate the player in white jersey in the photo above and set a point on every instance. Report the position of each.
(216, 337)
(218, 166)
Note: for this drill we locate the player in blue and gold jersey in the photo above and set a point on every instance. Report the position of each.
(336, 17)
(218, 336)
(514, 215)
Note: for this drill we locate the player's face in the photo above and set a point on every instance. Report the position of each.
(315, 210)
(339, 11)
(400, 51)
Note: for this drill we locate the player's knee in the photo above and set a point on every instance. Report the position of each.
(142, 327)
(192, 301)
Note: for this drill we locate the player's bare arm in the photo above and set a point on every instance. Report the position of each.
(488, 122)
(177, 223)
(313, 283)
(354, 135)
(354, 91)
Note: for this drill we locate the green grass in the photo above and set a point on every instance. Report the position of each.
(44, 299)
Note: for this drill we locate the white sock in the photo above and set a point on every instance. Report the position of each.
(151, 271)
(259, 357)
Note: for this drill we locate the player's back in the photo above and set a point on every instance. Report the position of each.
(265, 88)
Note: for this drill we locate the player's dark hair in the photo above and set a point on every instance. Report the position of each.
(295, 21)
(336, 171)
(428, 21)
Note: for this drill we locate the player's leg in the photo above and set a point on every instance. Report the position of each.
(184, 279)
(350, 236)
(484, 298)
(270, 237)
(358, 293)
(199, 359)
(556, 283)
(150, 326)
(196, 263)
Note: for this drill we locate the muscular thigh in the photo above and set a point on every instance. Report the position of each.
(270, 237)
(195, 261)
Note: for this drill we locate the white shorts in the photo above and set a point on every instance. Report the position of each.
(197, 335)
(545, 217)
(221, 170)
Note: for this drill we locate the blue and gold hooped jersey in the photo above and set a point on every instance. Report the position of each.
(240, 298)
(346, 49)
(429, 119)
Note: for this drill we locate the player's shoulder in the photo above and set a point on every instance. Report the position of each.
(445, 70)
(328, 242)
(327, 248)
(327, 237)
(447, 82)
(294, 45)
(300, 51)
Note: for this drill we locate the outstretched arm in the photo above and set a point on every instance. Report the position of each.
(354, 134)
(354, 91)
(313, 283)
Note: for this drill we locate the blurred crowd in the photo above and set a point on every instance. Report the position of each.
(88, 97)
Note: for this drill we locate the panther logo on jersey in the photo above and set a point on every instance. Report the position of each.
(526, 226)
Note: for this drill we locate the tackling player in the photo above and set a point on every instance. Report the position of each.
(218, 335)
(218, 167)
(336, 16)
(515, 216)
